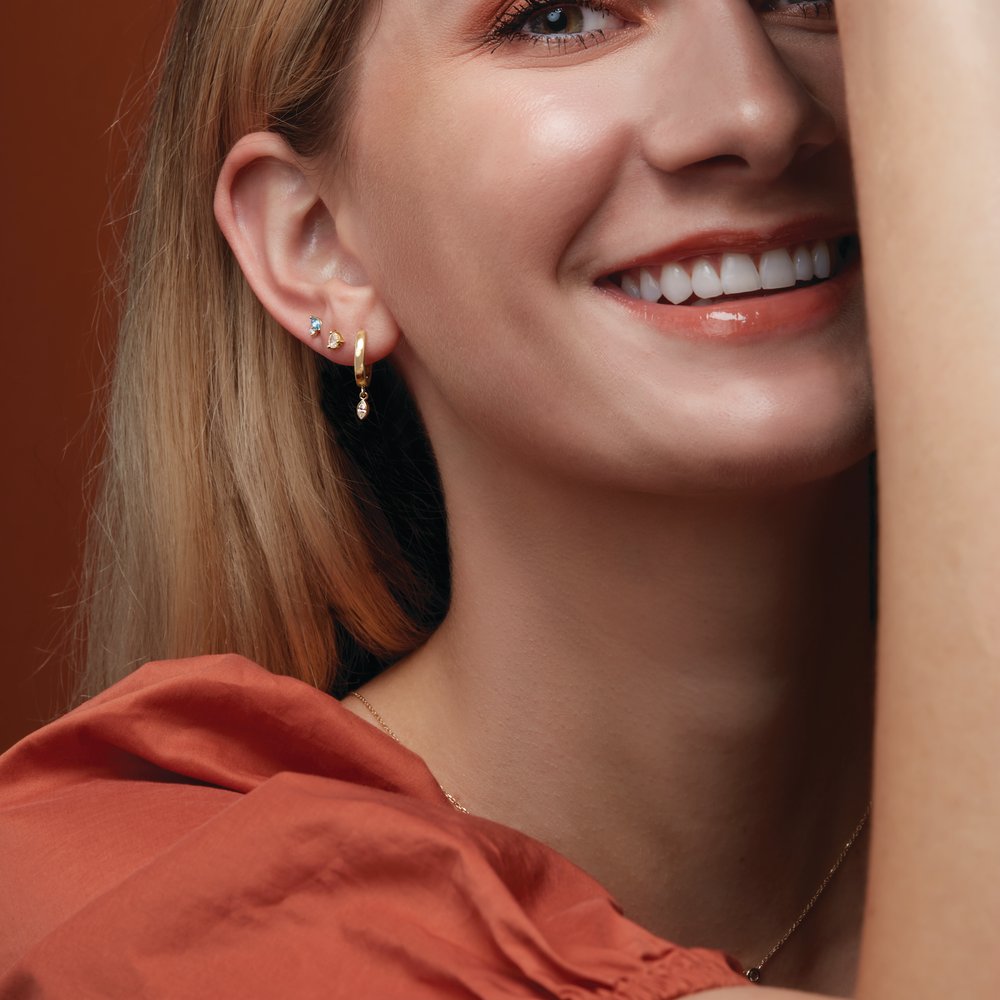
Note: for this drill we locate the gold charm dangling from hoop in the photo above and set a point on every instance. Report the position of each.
(362, 374)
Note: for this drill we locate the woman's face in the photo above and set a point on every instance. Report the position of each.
(514, 162)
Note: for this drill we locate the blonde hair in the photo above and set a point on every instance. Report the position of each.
(234, 515)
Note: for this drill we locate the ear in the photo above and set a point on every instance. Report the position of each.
(284, 235)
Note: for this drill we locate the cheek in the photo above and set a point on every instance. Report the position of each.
(474, 179)
(820, 69)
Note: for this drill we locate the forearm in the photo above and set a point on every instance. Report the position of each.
(924, 98)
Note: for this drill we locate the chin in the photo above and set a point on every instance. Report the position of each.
(734, 453)
(769, 463)
(770, 427)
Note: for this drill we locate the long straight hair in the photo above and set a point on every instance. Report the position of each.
(243, 508)
(239, 508)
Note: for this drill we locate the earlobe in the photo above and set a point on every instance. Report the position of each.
(282, 230)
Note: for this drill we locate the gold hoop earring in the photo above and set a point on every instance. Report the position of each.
(362, 373)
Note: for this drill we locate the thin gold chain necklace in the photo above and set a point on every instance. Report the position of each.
(755, 971)
(378, 718)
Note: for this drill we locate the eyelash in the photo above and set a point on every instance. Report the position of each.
(508, 27)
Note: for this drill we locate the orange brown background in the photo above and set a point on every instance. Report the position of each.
(72, 91)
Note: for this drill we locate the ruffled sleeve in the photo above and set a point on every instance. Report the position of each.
(228, 874)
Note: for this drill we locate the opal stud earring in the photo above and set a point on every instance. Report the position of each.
(316, 328)
(362, 374)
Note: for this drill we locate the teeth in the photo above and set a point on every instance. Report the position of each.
(739, 274)
(676, 284)
(705, 282)
(821, 259)
(649, 287)
(630, 285)
(803, 264)
(777, 269)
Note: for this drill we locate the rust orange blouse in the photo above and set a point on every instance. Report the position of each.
(205, 828)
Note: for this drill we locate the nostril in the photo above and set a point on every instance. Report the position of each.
(725, 160)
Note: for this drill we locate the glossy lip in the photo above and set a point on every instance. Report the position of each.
(750, 320)
(718, 241)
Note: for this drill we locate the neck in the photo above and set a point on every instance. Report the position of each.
(675, 693)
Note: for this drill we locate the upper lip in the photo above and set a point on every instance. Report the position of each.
(760, 240)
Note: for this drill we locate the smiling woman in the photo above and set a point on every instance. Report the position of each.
(496, 398)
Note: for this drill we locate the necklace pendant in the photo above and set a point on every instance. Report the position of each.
(753, 974)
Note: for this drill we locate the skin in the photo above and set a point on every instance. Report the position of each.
(659, 656)
(931, 207)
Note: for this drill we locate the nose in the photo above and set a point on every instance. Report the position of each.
(726, 101)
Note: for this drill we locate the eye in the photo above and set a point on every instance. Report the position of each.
(567, 19)
(555, 23)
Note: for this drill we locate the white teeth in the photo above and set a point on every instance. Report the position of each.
(777, 270)
(630, 286)
(803, 264)
(676, 284)
(739, 274)
(821, 259)
(649, 287)
(704, 280)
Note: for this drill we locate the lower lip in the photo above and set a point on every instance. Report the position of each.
(784, 314)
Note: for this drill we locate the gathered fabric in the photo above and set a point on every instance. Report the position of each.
(205, 828)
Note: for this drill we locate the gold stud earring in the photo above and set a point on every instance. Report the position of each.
(362, 374)
(315, 326)
(335, 341)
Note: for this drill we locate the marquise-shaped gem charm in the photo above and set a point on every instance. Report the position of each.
(362, 409)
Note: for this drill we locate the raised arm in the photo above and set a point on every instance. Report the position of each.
(924, 97)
